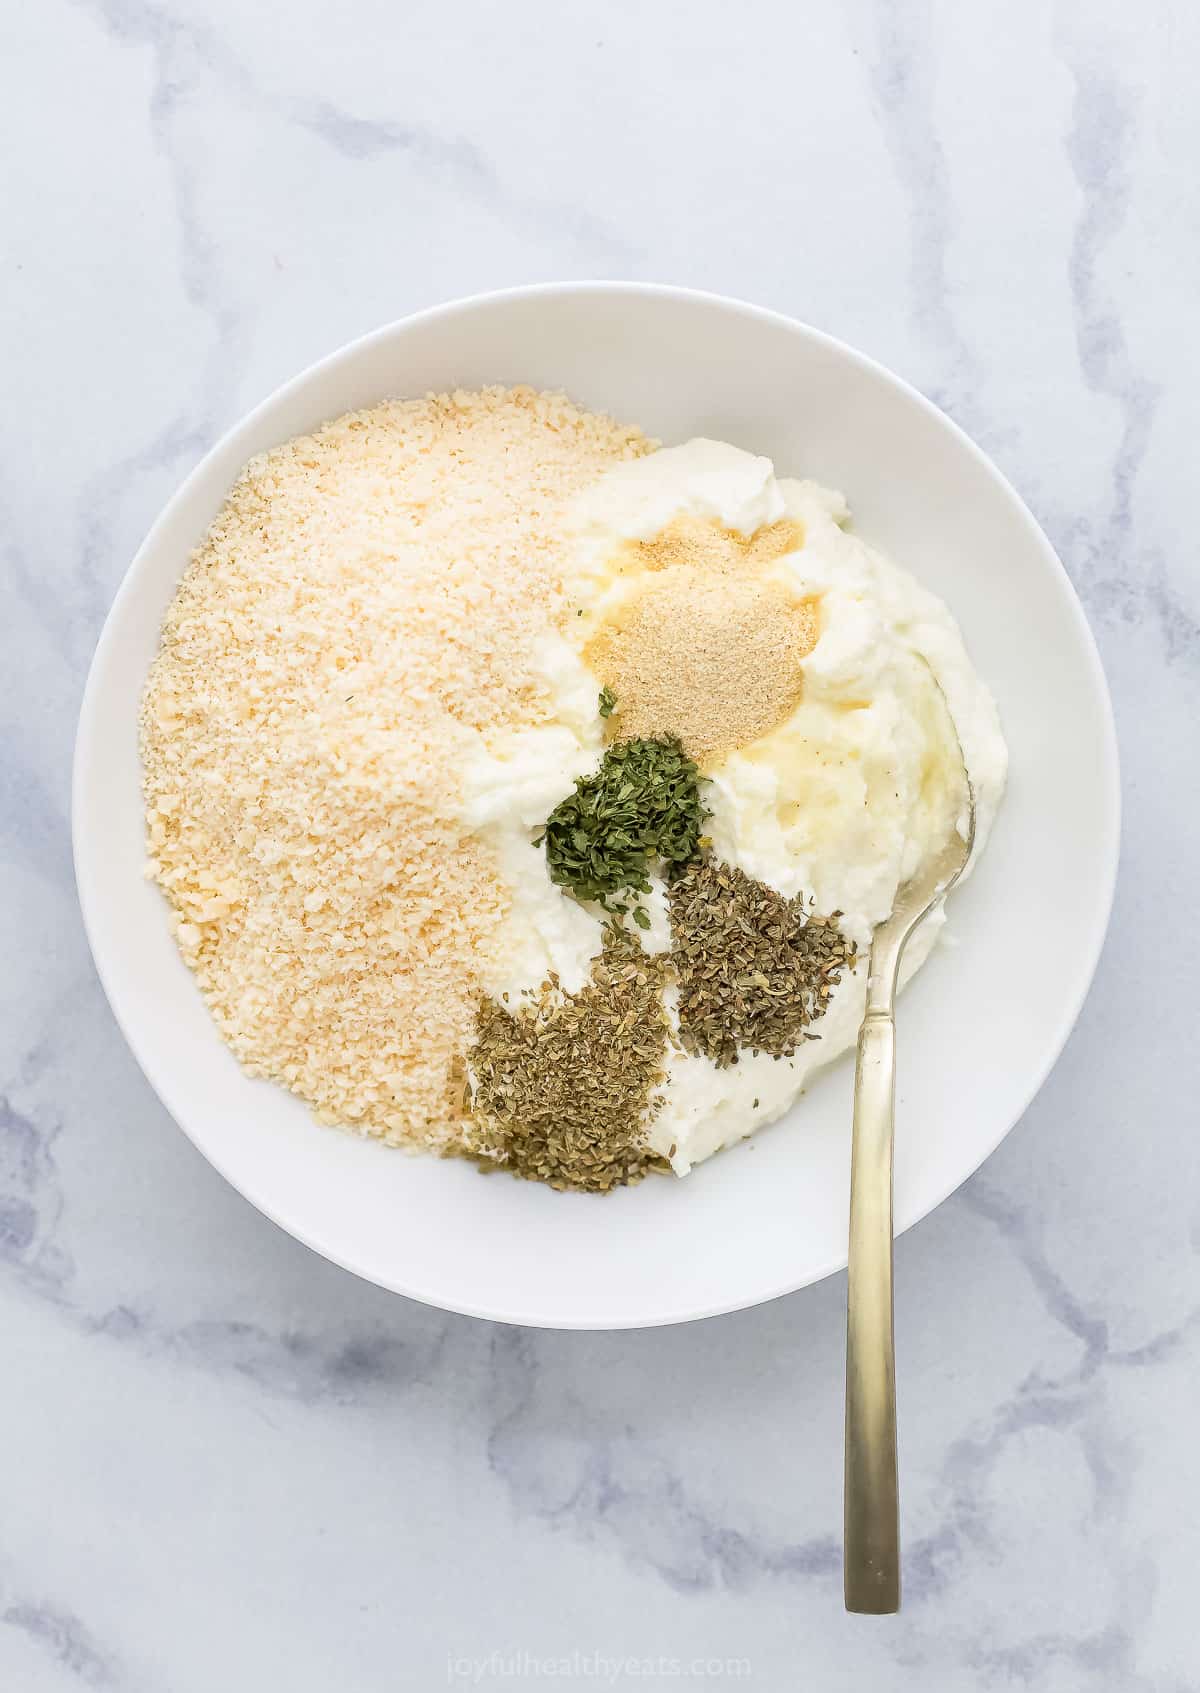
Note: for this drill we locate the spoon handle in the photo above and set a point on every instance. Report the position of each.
(872, 1529)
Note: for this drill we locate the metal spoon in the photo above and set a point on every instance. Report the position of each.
(872, 1525)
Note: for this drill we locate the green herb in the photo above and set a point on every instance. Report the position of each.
(564, 1084)
(642, 807)
(608, 701)
(754, 969)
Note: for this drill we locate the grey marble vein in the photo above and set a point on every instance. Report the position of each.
(1060, 1303)
(65, 1642)
(1119, 575)
(904, 58)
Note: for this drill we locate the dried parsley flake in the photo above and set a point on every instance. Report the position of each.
(641, 807)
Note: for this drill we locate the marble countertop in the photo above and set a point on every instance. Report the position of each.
(225, 1463)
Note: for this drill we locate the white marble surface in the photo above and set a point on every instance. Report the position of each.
(226, 1464)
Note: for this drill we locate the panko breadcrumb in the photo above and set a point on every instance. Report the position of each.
(365, 605)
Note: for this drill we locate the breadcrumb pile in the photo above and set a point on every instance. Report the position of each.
(367, 601)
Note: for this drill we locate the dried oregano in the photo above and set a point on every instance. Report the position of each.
(563, 1084)
(642, 807)
(754, 969)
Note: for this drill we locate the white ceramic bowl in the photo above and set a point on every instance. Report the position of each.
(979, 1029)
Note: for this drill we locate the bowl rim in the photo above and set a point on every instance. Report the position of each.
(1108, 838)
